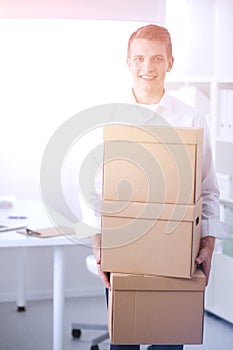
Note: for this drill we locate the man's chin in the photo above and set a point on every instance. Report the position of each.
(147, 86)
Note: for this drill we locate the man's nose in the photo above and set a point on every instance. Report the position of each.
(148, 65)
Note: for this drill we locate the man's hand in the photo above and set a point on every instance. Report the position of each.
(205, 255)
(103, 275)
(95, 240)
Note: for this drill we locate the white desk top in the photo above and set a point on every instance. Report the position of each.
(36, 216)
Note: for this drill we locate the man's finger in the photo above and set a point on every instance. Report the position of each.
(105, 280)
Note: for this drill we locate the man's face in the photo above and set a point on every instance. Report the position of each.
(148, 62)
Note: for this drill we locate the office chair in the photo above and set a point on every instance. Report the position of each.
(78, 327)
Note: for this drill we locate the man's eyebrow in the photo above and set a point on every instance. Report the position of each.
(159, 55)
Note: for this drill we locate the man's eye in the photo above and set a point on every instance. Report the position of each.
(138, 59)
(158, 59)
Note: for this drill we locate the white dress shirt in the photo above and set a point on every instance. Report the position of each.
(177, 114)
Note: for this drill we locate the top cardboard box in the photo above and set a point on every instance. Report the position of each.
(152, 164)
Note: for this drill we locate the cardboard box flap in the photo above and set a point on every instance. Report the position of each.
(153, 134)
(174, 212)
(121, 281)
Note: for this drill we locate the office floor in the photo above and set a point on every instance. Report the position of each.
(33, 329)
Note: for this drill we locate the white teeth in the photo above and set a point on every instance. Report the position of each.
(148, 76)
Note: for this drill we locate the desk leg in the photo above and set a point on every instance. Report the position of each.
(21, 301)
(58, 297)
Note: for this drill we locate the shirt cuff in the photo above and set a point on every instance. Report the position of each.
(215, 228)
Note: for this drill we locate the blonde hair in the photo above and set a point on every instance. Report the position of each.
(152, 32)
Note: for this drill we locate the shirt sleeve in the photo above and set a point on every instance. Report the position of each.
(211, 224)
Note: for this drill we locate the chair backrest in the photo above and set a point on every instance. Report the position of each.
(91, 264)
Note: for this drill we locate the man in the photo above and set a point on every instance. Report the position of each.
(149, 59)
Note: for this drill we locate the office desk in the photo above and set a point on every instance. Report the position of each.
(36, 217)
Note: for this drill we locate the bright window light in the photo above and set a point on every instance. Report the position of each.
(51, 70)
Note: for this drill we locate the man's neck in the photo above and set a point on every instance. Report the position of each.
(148, 97)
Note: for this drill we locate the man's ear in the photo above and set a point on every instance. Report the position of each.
(128, 63)
(170, 64)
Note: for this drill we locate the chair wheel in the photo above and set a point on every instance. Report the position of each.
(94, 347)
(76, 333)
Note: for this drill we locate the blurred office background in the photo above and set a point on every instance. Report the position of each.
(59, 58)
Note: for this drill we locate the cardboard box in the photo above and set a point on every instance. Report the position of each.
(152, 164)
(156, 310)
(150, 238)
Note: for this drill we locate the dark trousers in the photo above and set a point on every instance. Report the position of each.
(137, 347)
(152, 347)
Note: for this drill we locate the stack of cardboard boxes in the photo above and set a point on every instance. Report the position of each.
(151, 219)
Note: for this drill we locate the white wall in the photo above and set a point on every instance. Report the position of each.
(201, 34)
(191, 24)
(129, 10)
(50, 70)
(223, 39)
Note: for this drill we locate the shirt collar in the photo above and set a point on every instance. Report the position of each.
(165, 104)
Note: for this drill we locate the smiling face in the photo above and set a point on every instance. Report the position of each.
(148, 63)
